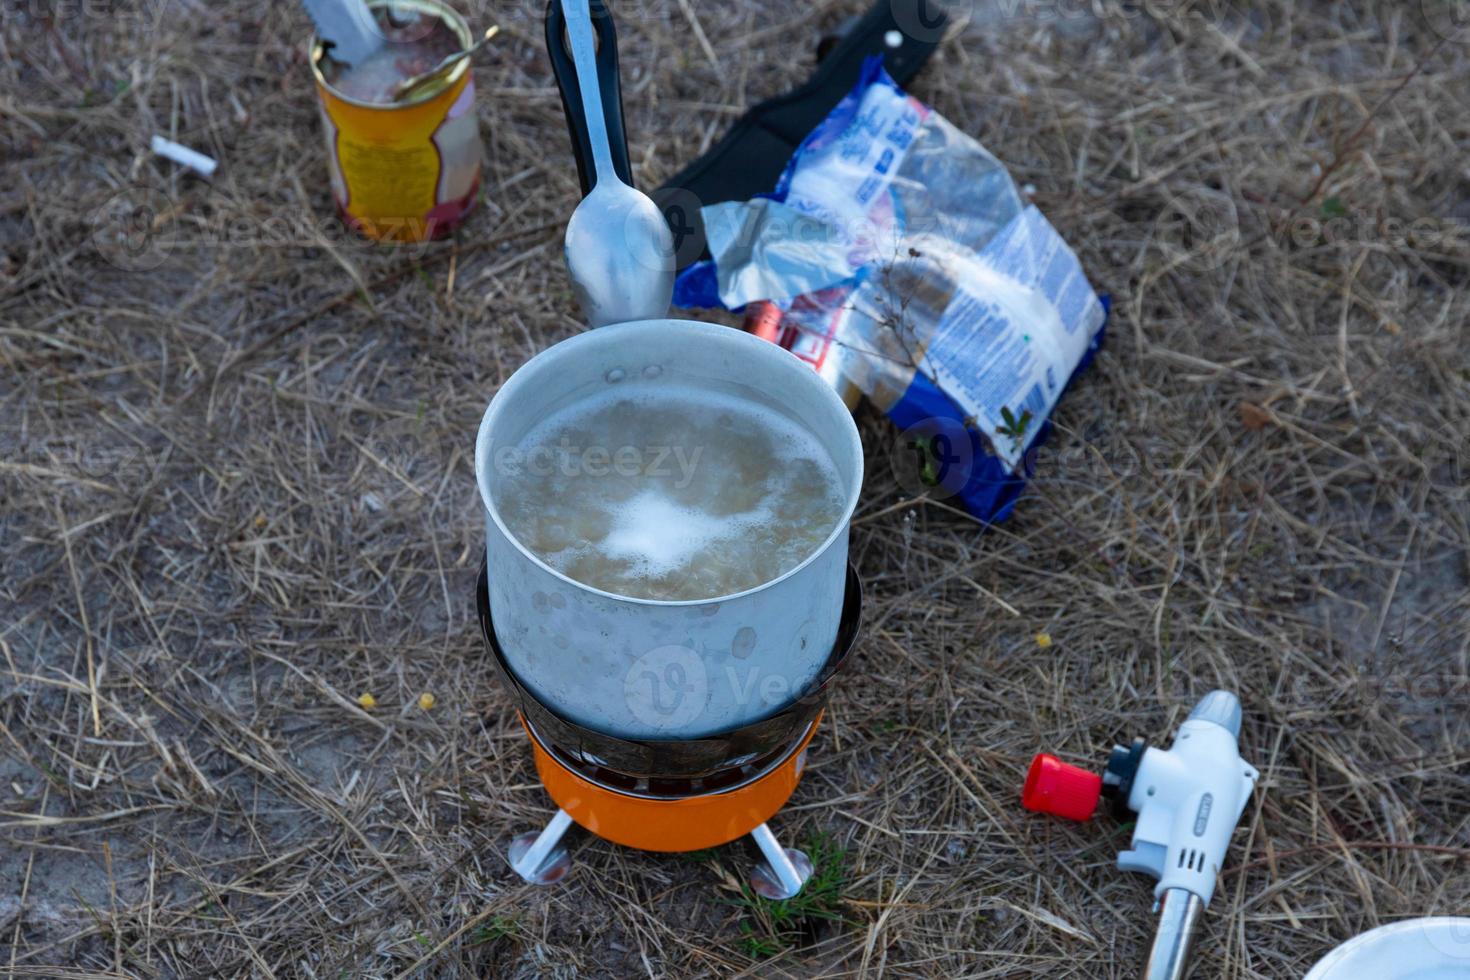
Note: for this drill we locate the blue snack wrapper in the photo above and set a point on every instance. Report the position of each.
(910, 270)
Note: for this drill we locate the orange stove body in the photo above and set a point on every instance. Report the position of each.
(689, 823)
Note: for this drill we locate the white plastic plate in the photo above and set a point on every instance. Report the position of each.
(1416, 949)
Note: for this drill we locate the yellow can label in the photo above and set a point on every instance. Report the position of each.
(404, 172)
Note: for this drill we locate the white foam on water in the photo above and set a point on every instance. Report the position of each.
(660, 537)
(658, 490)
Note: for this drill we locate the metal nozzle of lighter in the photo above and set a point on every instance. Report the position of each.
(1179, 913)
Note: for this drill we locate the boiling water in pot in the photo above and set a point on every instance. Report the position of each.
(657, 490)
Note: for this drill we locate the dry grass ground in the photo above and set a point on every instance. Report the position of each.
(238, 493)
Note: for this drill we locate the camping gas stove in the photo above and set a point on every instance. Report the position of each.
(671, 795)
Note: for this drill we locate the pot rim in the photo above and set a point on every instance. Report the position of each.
(778, 358)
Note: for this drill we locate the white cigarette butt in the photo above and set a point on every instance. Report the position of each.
(181, 154)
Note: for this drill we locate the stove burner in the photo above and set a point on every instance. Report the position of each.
(674, 787)
(672, 795)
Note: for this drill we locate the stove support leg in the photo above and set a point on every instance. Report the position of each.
(537, 858)
(784, 871)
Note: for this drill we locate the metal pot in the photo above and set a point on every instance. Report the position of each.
(651, 669)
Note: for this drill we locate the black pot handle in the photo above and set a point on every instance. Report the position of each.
(571, 93)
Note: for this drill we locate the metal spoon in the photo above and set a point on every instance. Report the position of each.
(411, 84)
(619, 251)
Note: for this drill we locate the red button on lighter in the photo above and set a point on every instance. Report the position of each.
(1054, 787)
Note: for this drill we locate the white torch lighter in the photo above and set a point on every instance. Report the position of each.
(1188, 801)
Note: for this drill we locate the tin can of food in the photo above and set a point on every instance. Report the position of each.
(403, 171)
